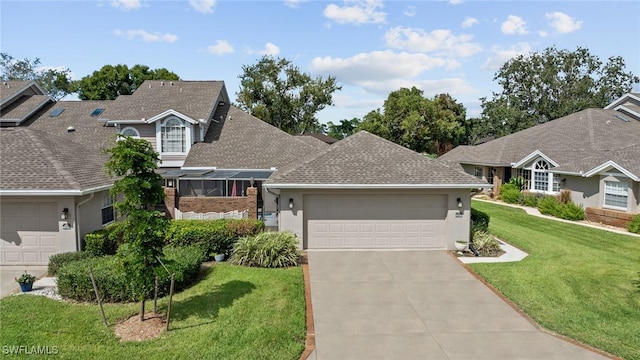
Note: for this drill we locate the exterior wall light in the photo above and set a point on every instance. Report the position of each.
(290, 203)
(459, 202)
(64, 215)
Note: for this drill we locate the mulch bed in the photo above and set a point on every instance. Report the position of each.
(132, 329)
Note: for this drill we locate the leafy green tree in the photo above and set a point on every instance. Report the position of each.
(134, 163)
(56, 83)
(547, 85)
(423, 125)
(277, 92)
(111, 81)
(343, 129)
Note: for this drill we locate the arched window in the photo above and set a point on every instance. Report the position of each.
(131, 132)
(173, 136)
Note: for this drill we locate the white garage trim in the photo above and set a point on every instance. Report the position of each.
(375, 221)
(376, 186)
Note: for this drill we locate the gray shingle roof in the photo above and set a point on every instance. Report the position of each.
(242, 141)
(313, 141)
(24, 106)
(194, 99)
(11, 88)
(365, 158)
(88, 131)
(36, 160)
(577, 142)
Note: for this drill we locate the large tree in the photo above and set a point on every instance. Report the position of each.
(547, 85)
(343, 129)
(277, 92)
(111, 81)
(55, 82)
(138, 190)
(424, 125)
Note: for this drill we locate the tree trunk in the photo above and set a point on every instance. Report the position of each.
(142, 309)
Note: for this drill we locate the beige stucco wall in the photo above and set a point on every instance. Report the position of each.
(583, 190)
(89, 214)
(456, 228)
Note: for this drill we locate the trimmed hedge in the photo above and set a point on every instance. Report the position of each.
(57, 260)
(213, 237)
(634, 224)
(104, 241)
(479, 222)
(74, 281)
(268, 249)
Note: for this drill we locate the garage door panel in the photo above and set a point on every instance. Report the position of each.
(375, 221)
(29, 233)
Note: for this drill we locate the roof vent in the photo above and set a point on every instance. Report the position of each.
(161, 83)
(71, 129)
(171, 83)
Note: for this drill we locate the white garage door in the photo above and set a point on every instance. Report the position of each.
(375, 221)
(29, 233)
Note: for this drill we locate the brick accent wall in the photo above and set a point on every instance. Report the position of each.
(203, 204)
(170, 196)
(609, 217)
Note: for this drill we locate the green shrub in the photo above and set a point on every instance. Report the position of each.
(530, 199)
(634, 224)
(549, 205)
(110, 275)
(479, 221)
(268, 249)
(518, 182)
(57, 260)
(105, 241)
(486, 244)
(212, 236)
(571, 211)
(510, 193)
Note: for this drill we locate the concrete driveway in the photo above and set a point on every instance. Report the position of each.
(417, 305)
(8, 273)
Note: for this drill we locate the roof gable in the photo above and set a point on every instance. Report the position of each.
(366, 160)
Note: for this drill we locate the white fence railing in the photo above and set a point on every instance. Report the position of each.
(190, 215)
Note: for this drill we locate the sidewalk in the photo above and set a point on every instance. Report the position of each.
(535, 212)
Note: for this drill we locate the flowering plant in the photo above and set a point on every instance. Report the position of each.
(26, 278)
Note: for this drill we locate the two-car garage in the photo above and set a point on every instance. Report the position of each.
(375, 221)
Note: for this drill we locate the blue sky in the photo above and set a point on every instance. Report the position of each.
(373, 47)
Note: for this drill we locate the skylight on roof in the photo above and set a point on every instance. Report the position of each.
(56, 112)
(622, 118)
(97, 112)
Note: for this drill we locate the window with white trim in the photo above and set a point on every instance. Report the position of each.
(108, 211)
(173, 136)
(131, 132)
(542, 179)
(616, 195)
(478, 172)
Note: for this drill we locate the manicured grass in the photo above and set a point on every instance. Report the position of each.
(576, 281)
(233, 313)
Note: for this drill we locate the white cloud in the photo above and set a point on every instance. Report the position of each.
(221, 47)
(349, 102)
(469, 22)
(270, 49)
(562, 22)
(293, 3)
(126, 4)
(356, 12)
(203, 6)
(501, 55)
(375, 66)
(514, 25)
(146, 36)
(437, 41)
(455, 2)
(543, 33)
(409, 11)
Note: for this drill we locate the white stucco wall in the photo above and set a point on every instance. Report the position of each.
(456, 228)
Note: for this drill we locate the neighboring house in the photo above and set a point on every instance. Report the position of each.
(594, 154)
(215, 158)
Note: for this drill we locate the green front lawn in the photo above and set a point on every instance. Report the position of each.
(576, 281)
(233, 313)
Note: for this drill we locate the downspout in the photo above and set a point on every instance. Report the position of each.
(77, 217)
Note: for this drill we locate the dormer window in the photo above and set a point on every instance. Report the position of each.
(130, 132)
(173, 136)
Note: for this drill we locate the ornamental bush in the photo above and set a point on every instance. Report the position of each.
(549, 205)
(479, 222)
(571, 211)
(57, 260)
(105, 241)
(212, 236)
(486, 244)
(111, 278)
(268, 249)
(510, 193)
(634, 224)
